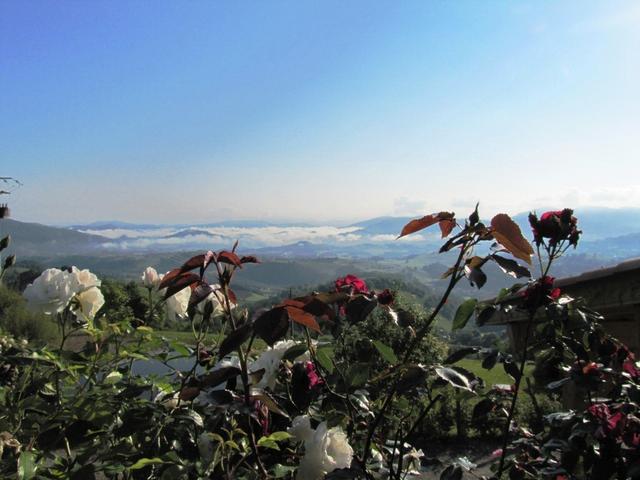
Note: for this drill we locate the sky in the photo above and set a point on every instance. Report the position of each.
(323, 112)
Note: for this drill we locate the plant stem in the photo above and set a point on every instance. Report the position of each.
(412, 346)
(514, 400)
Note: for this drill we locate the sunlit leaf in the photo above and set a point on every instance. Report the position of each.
(508, 234)
(418, 224)
(144, 462)
(453, 377)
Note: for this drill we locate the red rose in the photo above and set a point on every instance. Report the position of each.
(385, 297)
(352, 284)
(540, 292)
(312, 375)
(555, 225)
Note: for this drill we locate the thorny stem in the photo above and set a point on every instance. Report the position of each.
(455, 277)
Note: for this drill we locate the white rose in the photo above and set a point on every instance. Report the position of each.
(325, 449)
(150, 278)
(83, 279)
(269, 360)
(87, 303)
(177, 305)
(51, 292)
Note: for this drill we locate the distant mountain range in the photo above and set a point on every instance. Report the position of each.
(609, 233)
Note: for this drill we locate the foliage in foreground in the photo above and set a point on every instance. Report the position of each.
(349, 381)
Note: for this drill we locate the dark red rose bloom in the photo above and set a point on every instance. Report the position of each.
(540, 292)
(352, 284)
(312, 375)
(599, 410)
(386, 297)
(590, 368)
(557, 225)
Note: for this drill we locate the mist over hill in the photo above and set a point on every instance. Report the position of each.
(609, 235)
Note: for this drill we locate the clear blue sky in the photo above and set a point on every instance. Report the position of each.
(165, 111)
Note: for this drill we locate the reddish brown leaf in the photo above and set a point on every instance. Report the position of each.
(232, 295)
(508, 234)
(230, 258)
(418, 224)
(169, 278)
(249, 259)
(303, 318)
(446, 226)
(293, 303)
(189, 393)
(234, 339)
(181, 281)
(193, 262)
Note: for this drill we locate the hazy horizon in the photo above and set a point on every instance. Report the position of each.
(327, 113)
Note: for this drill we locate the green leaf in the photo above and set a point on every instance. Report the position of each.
(144, 462)
(463, 314)
(279, 436)
(113, 378)
(270, 441)
(180, 348)
(295, 351)
(26, 466)
(281, 471)
(385, 351)
(324, 355)
(460, 354)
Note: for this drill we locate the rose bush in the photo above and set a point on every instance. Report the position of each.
(331, 384)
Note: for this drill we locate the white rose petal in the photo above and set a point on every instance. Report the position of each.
(88, 303)
(269, 360)
(177, 304)
(83, 279)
